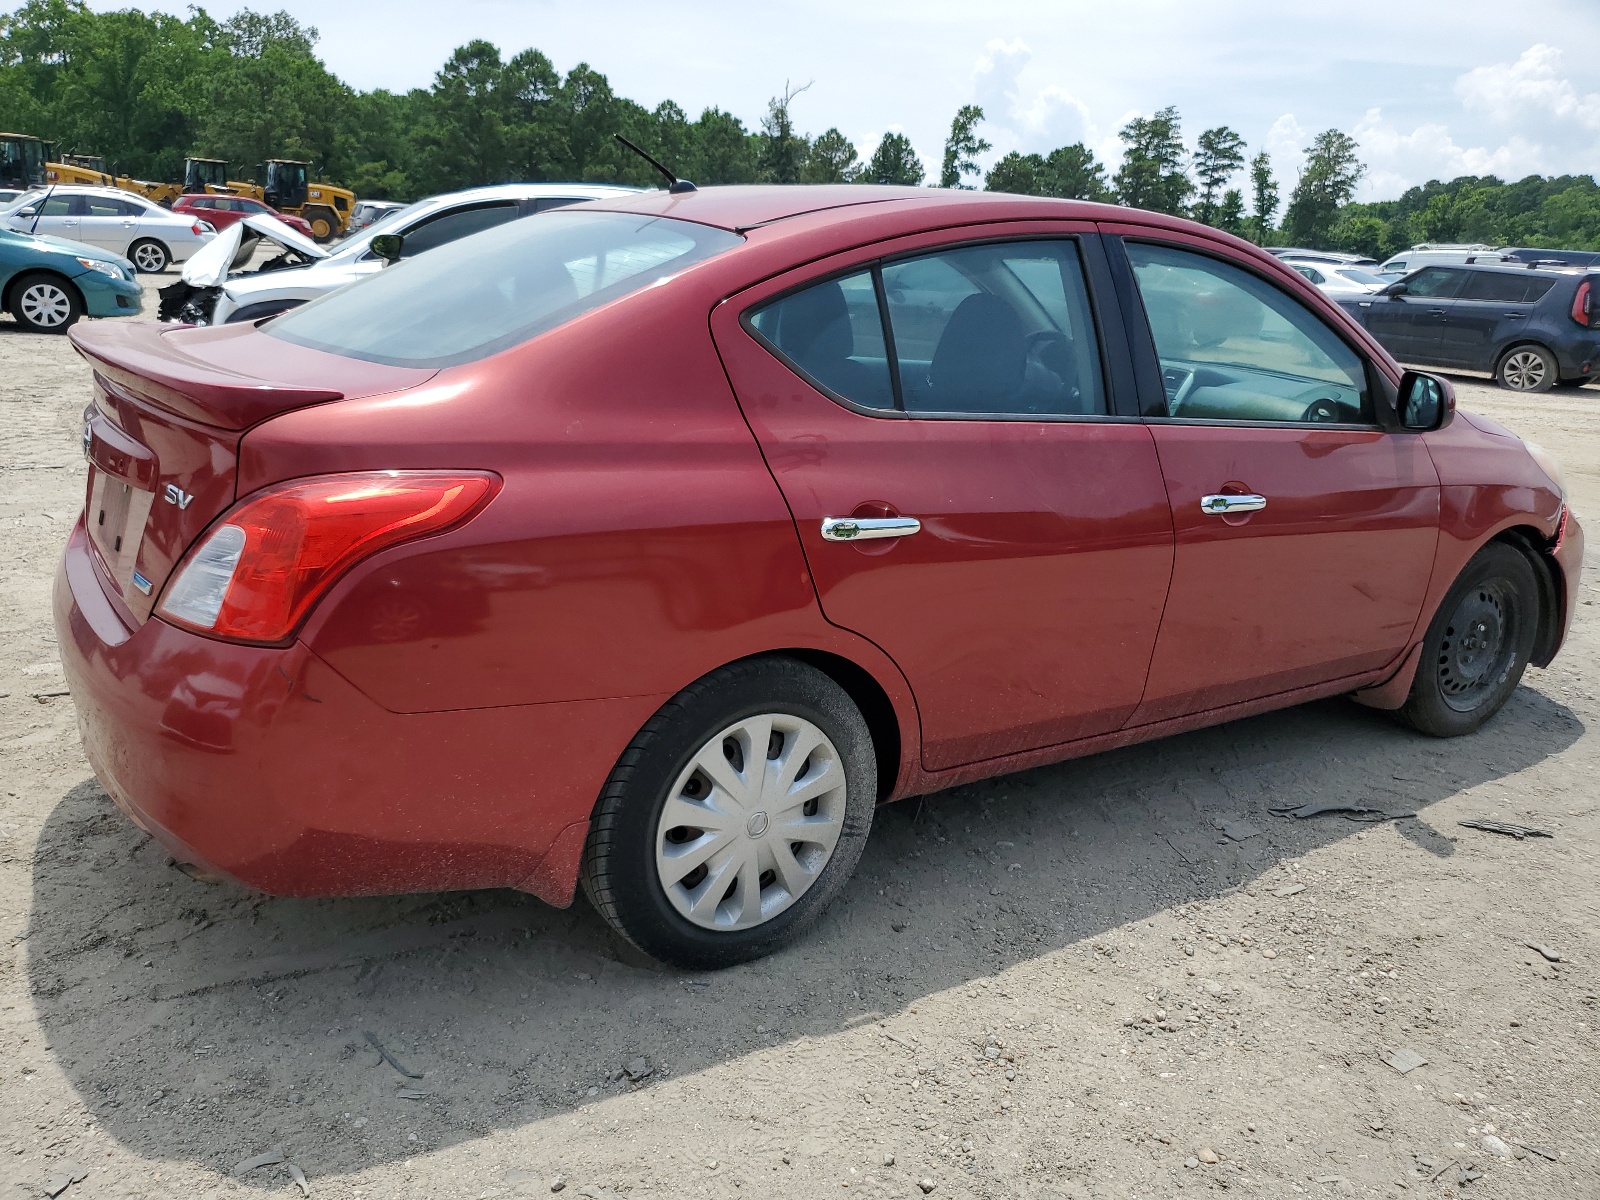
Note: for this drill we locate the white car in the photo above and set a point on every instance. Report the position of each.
(1340, 281)
(423, 225)
(140, 230)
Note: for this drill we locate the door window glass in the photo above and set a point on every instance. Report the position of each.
(107, 206)
(832, 333)
(1437, 283)
(453, 225)
(1233, 347)
(995, 330)
(62, 206)
(1500, 286)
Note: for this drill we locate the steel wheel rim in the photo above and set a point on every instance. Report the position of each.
(743, 835)
(149, 258)
(1478, 647)
(46, 304)
(1525, 370)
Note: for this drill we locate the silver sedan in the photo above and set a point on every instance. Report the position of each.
(138, 229)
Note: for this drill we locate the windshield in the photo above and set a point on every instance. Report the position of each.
(471, 298)
(22, 201)
(1356, 275)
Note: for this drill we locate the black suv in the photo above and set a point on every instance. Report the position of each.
(1534, 329)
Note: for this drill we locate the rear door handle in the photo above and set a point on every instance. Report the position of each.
(1436, 312)
(860, 529)
(1221, 506)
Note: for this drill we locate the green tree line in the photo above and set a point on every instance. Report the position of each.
(146, 90)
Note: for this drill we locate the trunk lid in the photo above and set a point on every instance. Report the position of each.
(162, 434)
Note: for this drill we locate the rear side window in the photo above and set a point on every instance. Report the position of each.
(479, 295)
(1501, 287)
(1234, 348)
(996, 330)
(832, 333)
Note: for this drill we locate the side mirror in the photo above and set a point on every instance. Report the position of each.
(26, 212)
(387, 246)
(1398, 288)
(1427, 402)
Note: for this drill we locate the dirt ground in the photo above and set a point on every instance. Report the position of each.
(1068, 983)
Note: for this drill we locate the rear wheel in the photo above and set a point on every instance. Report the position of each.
(1478, 646)
(1527, 369)
(734, 817)
(324, 225)
(44, 303)
(149, 256)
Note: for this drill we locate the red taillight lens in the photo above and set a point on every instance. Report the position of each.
(197, 229)
(255, 575)
(1583, 304)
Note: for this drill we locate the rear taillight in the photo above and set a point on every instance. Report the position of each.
(197, 229)
(1583, 304)
(257, 573)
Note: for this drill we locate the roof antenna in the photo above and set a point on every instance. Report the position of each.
(675, 185)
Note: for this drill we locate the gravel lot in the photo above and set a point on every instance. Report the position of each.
(1066, 983)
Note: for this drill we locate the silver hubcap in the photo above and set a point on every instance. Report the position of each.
(149, 258)
(1525, 371)
(751, 822)
(46, 304)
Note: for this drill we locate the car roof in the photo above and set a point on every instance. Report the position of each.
(743, 206)
(1520, 271)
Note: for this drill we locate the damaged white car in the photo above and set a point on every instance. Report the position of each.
(219, 288)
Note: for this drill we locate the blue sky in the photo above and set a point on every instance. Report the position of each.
(1431, 90)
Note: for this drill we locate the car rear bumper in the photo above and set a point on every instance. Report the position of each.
(267, 766)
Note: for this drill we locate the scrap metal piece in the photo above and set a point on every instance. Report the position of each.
(372, 1040)
(1517, 831)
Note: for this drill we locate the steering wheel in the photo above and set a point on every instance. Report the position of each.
(1322, 410)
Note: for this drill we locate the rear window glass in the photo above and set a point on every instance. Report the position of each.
(471, 298)
(1500, 286)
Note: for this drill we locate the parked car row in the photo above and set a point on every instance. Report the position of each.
(650, 545)
(139, 230)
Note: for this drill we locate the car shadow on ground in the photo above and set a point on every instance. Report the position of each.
(202, 1023)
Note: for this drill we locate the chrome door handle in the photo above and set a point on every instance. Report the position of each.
(860, 529)
(1221, 506)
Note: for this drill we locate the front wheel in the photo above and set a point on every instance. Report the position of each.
(149, 256)
(324, 225)
(44, 303)
(734, 817)
(1527, 369)
(1478, 645)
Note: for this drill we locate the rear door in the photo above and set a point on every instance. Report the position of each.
(1305, 526)
(962, 401)
(109, 223)
(1410, 324)
(1491, 310)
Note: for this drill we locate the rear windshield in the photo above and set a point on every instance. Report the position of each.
(472, 298)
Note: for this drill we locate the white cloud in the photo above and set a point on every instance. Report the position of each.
(1529, 87)
(1286, 143)
(1019, 116)
(1397, 160)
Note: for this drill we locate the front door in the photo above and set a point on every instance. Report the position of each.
(1305, 528)
(939, 423)
(1410, 324)
(58, 216)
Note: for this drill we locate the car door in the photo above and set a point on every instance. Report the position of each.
(58, 216)
(943, 422)
(1491, 309)
(1408, 318)
(1305, 520)
(108, 222)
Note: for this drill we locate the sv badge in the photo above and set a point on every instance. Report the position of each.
(176, 495)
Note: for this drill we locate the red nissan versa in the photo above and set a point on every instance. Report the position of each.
(654, 542)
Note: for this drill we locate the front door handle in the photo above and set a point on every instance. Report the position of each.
(1222, 506)
(860, 529)
(1436, 312)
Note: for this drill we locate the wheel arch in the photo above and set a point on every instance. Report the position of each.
(10, 289)
(871, 698)
(1534, 546)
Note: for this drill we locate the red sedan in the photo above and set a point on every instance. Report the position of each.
(653, 543)
(223, 211)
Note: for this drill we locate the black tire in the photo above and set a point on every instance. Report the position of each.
(43, 302)
(619, 870)
(1527, 368)
(324, 223)
(149, 257)
(1477, 646)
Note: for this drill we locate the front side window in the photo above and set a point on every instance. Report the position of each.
(1002, 329)
(1437, 283)
(480, 295)
(453, 225)
(63, 206)
(1234, 348)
